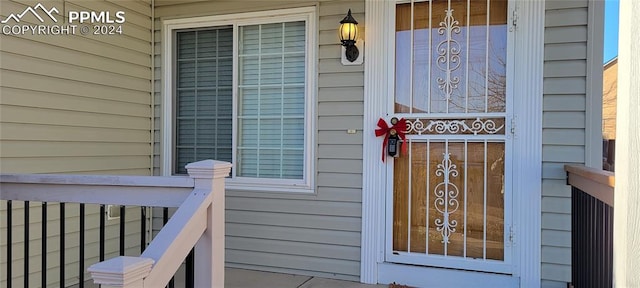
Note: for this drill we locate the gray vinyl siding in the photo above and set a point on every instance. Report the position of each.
(73, 104)
(314, 234)
(563, 134)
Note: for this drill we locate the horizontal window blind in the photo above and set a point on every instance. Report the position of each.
(204, 102)
(271, 104)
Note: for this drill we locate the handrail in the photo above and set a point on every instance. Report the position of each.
(198, 221)
(595, 182)
(177, 237)
(97, 189)
(106, 180)
(592, 194)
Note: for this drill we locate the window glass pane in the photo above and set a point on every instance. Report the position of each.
(271, 101)
(293, 71)
(248, 160)
(207, 45)
(271, 38)
(225, 72)
(186, 73)
(186, 133)
(205, 129)
(291, 166)
(207, 76)
(271, 69)
(249, 101)
(206, 101)
(452, 58)
(203, 96)
(186, 45)
(186, 103)
(249, 42)
(293, 133)
(224, 104)
(248, 133)
(249, 71)
(184, 156)
(271, 98)
(270, 163)
(291, 100)
(293, 32)
(270, 133)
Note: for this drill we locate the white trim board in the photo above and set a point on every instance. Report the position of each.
(593, 131)
(527, 185)
(627, 191)
(528, 141)
(373, 176)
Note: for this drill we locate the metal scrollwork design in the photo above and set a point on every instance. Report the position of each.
(448, 54)
(456, 126)
(446, 202)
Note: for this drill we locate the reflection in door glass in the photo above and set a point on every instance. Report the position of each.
(452, 60)
(454, 203)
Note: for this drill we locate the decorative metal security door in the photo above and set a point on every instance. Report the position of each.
(449, 199)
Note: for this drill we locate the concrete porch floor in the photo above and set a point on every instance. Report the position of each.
(240, 278)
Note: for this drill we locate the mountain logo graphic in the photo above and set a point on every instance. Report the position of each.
(34, 12)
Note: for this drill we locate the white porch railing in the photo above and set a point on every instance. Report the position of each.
(199, 219)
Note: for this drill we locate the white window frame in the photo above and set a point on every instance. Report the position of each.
(307, 14)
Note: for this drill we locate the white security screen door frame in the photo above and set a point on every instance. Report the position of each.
(526, 27)
(459, 135)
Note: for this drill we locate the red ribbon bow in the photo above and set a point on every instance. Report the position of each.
(384, 129)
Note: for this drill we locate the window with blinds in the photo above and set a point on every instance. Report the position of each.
(270, 88)
(204, 73)
(271, 94)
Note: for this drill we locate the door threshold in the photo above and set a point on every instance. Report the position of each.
(432, 277)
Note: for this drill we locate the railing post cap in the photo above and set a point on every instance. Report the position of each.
(208, 169)
(121, 271)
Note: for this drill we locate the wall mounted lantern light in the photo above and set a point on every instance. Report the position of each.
(348, 36)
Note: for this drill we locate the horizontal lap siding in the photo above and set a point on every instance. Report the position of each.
(77, 103)
(563, 135)
(317, 234)
(74, 104)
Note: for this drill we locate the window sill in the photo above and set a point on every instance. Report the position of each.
(242, 186)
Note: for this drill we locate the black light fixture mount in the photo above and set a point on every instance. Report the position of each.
(348, 36)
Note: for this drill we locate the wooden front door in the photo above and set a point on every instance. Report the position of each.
(449, 197)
